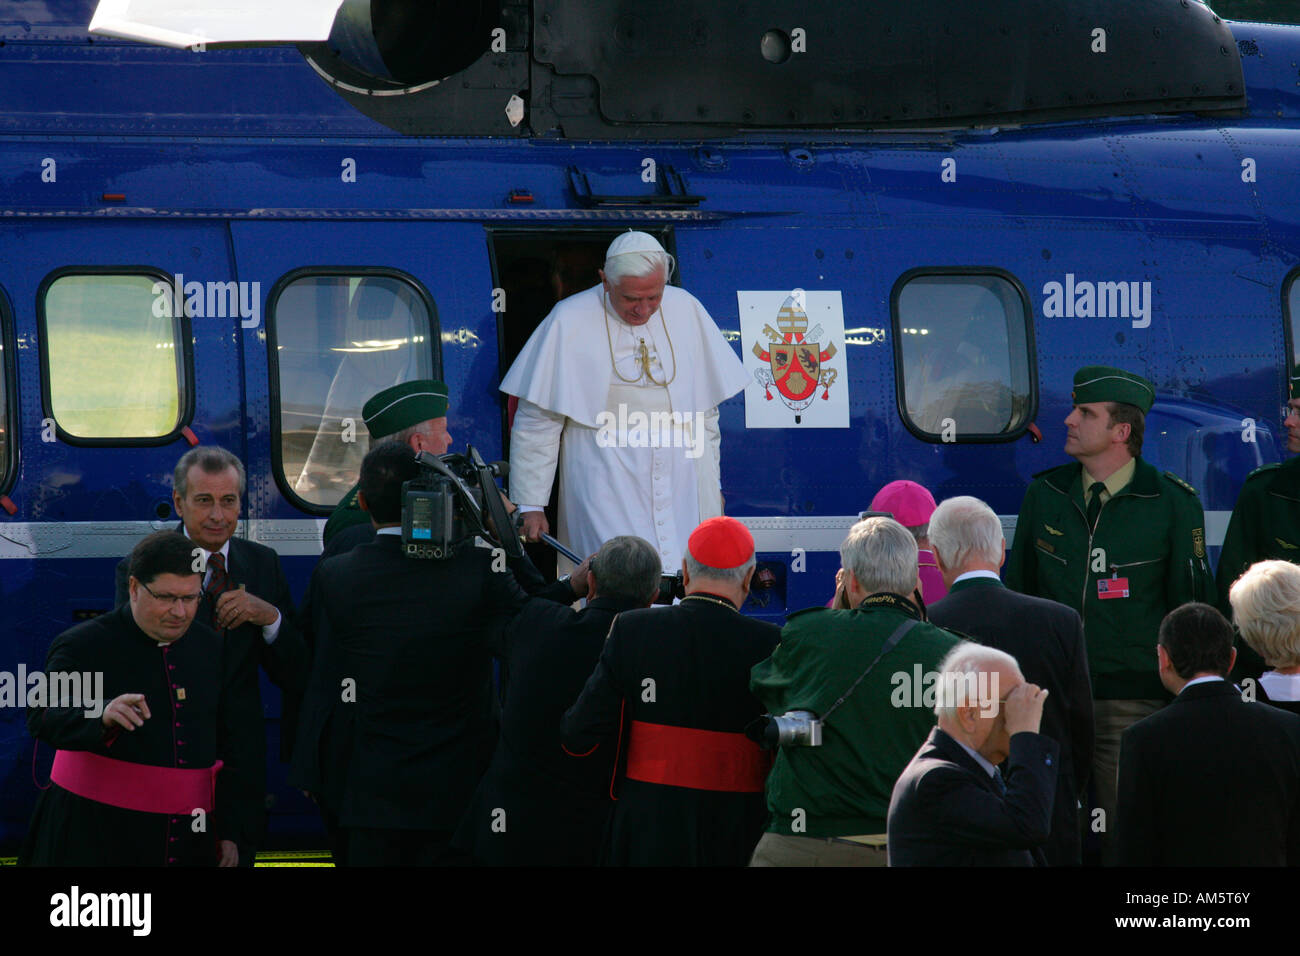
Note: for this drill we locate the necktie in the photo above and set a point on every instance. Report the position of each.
(1094, 506)
(999, 784)
(219, 580)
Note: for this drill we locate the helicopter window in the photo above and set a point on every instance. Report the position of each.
(114, 356)
(337, 340)
(962, 355)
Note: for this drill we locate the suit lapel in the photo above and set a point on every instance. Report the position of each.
(954, 751)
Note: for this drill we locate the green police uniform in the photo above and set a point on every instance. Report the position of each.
(843, 787)
(1150, 534)
(387, 413)
(345, 514)
(1125, 562)
(1265, 524)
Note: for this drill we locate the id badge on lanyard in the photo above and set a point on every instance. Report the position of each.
(1113, 587)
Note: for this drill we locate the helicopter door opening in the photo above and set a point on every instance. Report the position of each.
(535, 271)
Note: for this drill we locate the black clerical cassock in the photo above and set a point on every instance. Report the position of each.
(145, 797)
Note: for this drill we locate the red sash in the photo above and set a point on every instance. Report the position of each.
(697, 759)
(175, 791)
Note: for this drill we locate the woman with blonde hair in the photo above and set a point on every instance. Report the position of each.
(1266, 609)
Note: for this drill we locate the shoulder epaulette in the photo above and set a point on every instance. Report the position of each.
(1048, 471)
(1181, 484)
(1264, 469)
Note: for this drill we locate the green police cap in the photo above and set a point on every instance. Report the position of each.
(402, 406)
(1101, 383)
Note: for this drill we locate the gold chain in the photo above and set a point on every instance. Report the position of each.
(643, 355)
(700, 597)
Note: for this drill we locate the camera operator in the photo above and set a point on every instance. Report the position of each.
(671, 691)
(828, 802)
(399, 723)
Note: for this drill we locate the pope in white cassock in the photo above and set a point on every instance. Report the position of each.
(620, 387)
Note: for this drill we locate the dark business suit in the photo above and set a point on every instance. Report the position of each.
(1046, 639)
(947, 810)
(285, 660)
(536, 805)
(411, 638)
(1210, 780)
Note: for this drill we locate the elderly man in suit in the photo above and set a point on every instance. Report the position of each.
(1045, 637)
(1211, 780)
(245, 595)
(951, 806)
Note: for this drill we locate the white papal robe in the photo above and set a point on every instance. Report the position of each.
(618, 474)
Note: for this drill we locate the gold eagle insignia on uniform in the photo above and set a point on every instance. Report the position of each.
(1286, 545)
(1198, 542)
(1051, 530)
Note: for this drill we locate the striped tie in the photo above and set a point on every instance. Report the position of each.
(219, 580)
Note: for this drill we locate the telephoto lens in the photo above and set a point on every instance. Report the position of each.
(798, 728)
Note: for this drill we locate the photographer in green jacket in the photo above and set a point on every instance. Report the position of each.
(1120, 543)
(866, 677)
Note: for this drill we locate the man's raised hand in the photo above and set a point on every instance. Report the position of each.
(240, 607)
(127, 711)
(1024, 708)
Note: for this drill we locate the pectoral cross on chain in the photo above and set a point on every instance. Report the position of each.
(643, 359)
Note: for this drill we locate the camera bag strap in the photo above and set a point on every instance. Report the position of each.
(885, 648)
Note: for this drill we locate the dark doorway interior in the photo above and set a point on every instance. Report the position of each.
(536, 270)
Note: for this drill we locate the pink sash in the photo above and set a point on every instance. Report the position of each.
(175, 791)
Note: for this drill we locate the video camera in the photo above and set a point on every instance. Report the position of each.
(450, 503)
(671, 586)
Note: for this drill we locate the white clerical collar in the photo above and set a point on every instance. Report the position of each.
(1200, 680)
(1280, 686)
(989, 768)
(977, 574)
(224, 552)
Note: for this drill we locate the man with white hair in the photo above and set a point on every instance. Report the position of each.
(620, 387)
(952, 806)
(861, 672)
(1044, 636)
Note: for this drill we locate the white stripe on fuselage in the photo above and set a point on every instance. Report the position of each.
(301, 536)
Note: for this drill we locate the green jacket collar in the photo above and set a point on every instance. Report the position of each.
(980, 582)
(1286, 479)
(883, 600)
(1068, 480)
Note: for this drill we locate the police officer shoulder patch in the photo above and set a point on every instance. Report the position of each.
(1180, 483)
(1198, 542)
(1264, 470)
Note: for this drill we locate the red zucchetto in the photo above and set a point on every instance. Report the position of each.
(721, 543)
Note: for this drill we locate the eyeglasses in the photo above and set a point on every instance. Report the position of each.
(185, 600)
